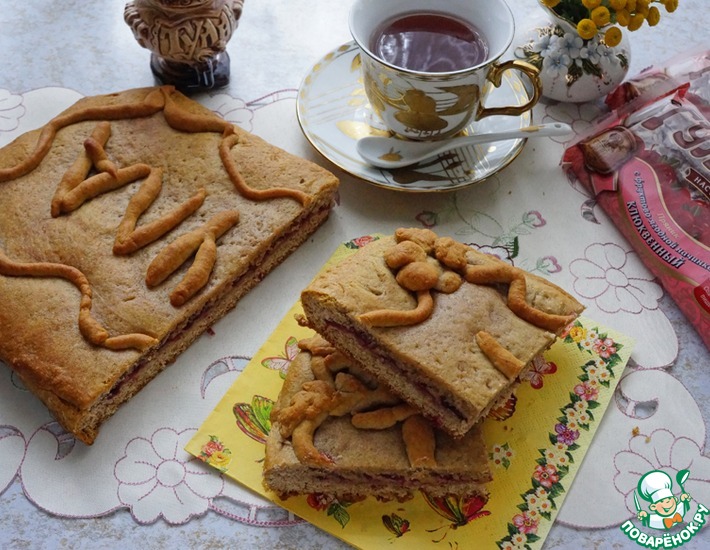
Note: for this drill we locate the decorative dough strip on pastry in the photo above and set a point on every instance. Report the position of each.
(81, 167)
(517, 291)
(225, 148)
(183, 121)
(401, 317)
(501, 358)
(342, 395)
(100, 183)
(201, 240)
(129, 238)
(153, 102)
(89, 327)
(420, 441)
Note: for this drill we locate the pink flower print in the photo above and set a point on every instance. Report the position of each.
(319, 501)
(427, 218)
(587, 391)
(534, 219)
(615, 279)
(539, 368)
(546, 475)
(565, 434)
(212, 446)
(362, 241)
(604, 348)
(548, 264)
(525, 523)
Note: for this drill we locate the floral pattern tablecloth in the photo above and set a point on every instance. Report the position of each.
(138, 473)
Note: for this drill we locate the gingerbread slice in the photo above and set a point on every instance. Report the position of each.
(347, 437)
(446, 328)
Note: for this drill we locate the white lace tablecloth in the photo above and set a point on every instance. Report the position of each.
(136, 485)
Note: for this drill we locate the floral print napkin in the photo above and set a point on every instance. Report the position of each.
(536, 441)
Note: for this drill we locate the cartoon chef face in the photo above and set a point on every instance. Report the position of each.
(665, 507)
(656, 488)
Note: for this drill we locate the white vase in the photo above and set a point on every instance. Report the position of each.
(572, 69)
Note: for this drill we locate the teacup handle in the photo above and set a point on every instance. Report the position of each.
(495, 76)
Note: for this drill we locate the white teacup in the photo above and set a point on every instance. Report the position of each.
(425, 105)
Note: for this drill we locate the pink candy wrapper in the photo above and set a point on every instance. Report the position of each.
(648, 164)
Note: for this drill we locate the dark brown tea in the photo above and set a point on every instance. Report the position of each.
(429, 42)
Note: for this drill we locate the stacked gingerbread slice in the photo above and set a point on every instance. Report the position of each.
(418, 337)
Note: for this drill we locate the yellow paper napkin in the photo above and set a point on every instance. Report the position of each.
(536, 443)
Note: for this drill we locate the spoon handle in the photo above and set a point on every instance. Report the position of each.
(396, 153)
(538, 130)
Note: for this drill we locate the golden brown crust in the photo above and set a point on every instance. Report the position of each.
(152, 103)
(383, 418)
(89, 327)
(86, 351)
(80, 169)
(393, 454)
(317, 345)
(425, 238)
(418, 275)
(95, 150)
(517, 294)
(177, 252)
(503, 360)
(403, 253)
(225, 148)
(371, 306)
(401, 317)
(130, 238)
(420, 440)
(101, 183)
(185, 121)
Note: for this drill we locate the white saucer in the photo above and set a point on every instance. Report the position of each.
(333, 112)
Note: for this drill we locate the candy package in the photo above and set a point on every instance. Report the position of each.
(648, 165)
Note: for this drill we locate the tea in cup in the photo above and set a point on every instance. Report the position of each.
(427, 68)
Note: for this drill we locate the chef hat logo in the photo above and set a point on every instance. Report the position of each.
(655, 486)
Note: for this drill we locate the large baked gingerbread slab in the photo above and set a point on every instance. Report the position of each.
(128, 225)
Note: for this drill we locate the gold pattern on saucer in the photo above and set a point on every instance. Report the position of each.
(357, 130)
(334, 113)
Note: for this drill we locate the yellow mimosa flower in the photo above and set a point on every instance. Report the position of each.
(612, 36)
(653, 17)
(550, 3)
(623, 17)
(671, 5)
(631, 5)
(617, 5)
(636, 21)
(591, 4)
(601, 16)
(587, 29)
(642, 7)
